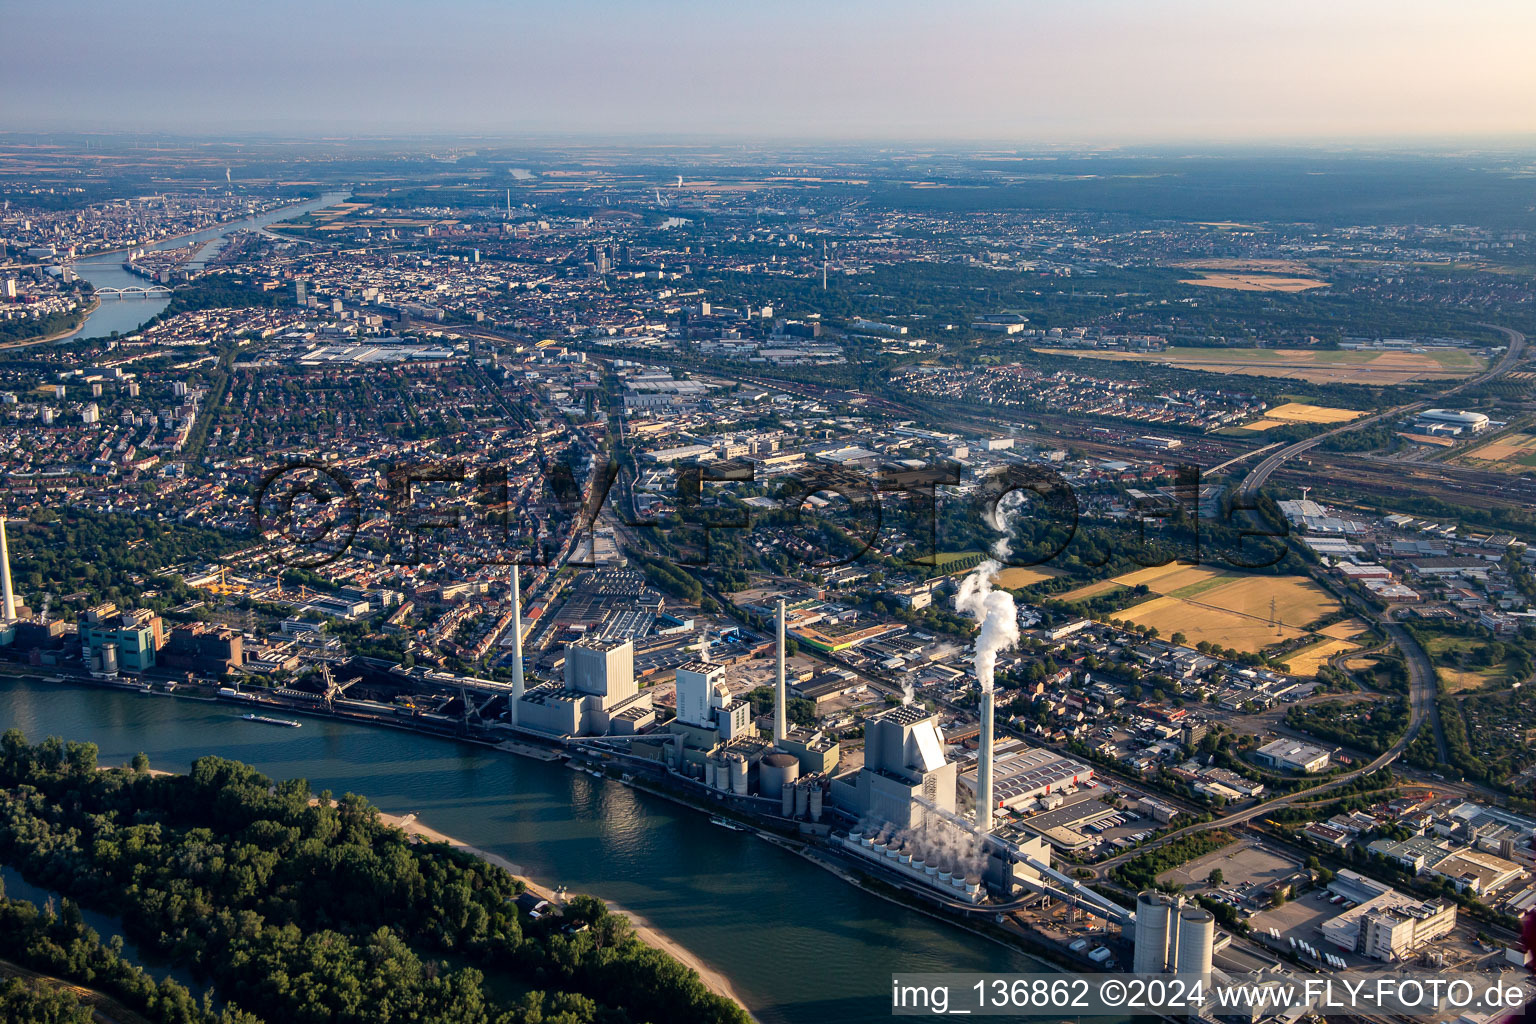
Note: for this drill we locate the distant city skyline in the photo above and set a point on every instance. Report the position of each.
(1097, 72)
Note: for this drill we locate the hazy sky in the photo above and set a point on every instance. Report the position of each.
(1026, 70)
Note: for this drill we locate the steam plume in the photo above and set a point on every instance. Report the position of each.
(999, 619)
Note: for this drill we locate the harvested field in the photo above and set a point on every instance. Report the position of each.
(1345, 630)
(1225, 608)
(1297, 412)
(1514, 453)
(1308, 660)
(1015, 577)
(1091, 590)
(1255, 282)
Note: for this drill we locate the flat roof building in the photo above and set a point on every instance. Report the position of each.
(1293, 756)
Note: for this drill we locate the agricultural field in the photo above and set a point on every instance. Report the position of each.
(1298, 412)
(1512, 453)
(1228, 609)
(1315, 366)
(1306, 661)
(1255, 282)
(1016, 577)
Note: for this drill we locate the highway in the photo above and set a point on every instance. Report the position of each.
(1262, 472)
(1422, 687)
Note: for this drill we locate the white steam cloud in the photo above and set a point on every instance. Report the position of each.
(996, 517)
(998, 616)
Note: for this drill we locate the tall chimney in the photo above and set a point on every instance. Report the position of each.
(780, 726)
(984, 767)
(517, 645)
(9, 609)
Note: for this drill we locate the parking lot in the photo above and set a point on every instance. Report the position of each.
(1244, 867)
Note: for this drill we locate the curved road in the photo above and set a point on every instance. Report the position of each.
(1421, 673)
(1422, 685)
(1260, 473)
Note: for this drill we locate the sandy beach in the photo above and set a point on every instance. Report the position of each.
(644, 930)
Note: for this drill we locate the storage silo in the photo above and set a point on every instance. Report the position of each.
(1154, 920)
(815, 805)
(709, 774)
(776, 771)
(109, 658)
(736, 773)
(787, 806)
(1195, 941)
(802, 801)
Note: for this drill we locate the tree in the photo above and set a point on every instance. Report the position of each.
(1215, 878)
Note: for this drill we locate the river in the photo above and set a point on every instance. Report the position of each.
(799, 945)
(124, 315)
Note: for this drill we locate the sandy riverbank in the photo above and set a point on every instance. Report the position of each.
(644, 930)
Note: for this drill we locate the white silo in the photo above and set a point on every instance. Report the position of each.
(776, 771)
(1154, 920)
(1196, 939)
(737, 774)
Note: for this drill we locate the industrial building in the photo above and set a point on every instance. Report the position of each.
(1023, 775)
(114, 641)
(905, 777)
(1476, 872)
(599, 694)
(705, 702)
(1384, 924)
(1293, 756)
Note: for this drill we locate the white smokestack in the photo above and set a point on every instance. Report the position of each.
(517, 645)
(9, 609)
(984, 767)
(780, 724)
(999, 619)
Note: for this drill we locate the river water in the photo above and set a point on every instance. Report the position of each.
(124, 315)
(799, 945)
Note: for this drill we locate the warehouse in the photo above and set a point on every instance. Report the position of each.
(1021, 776)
